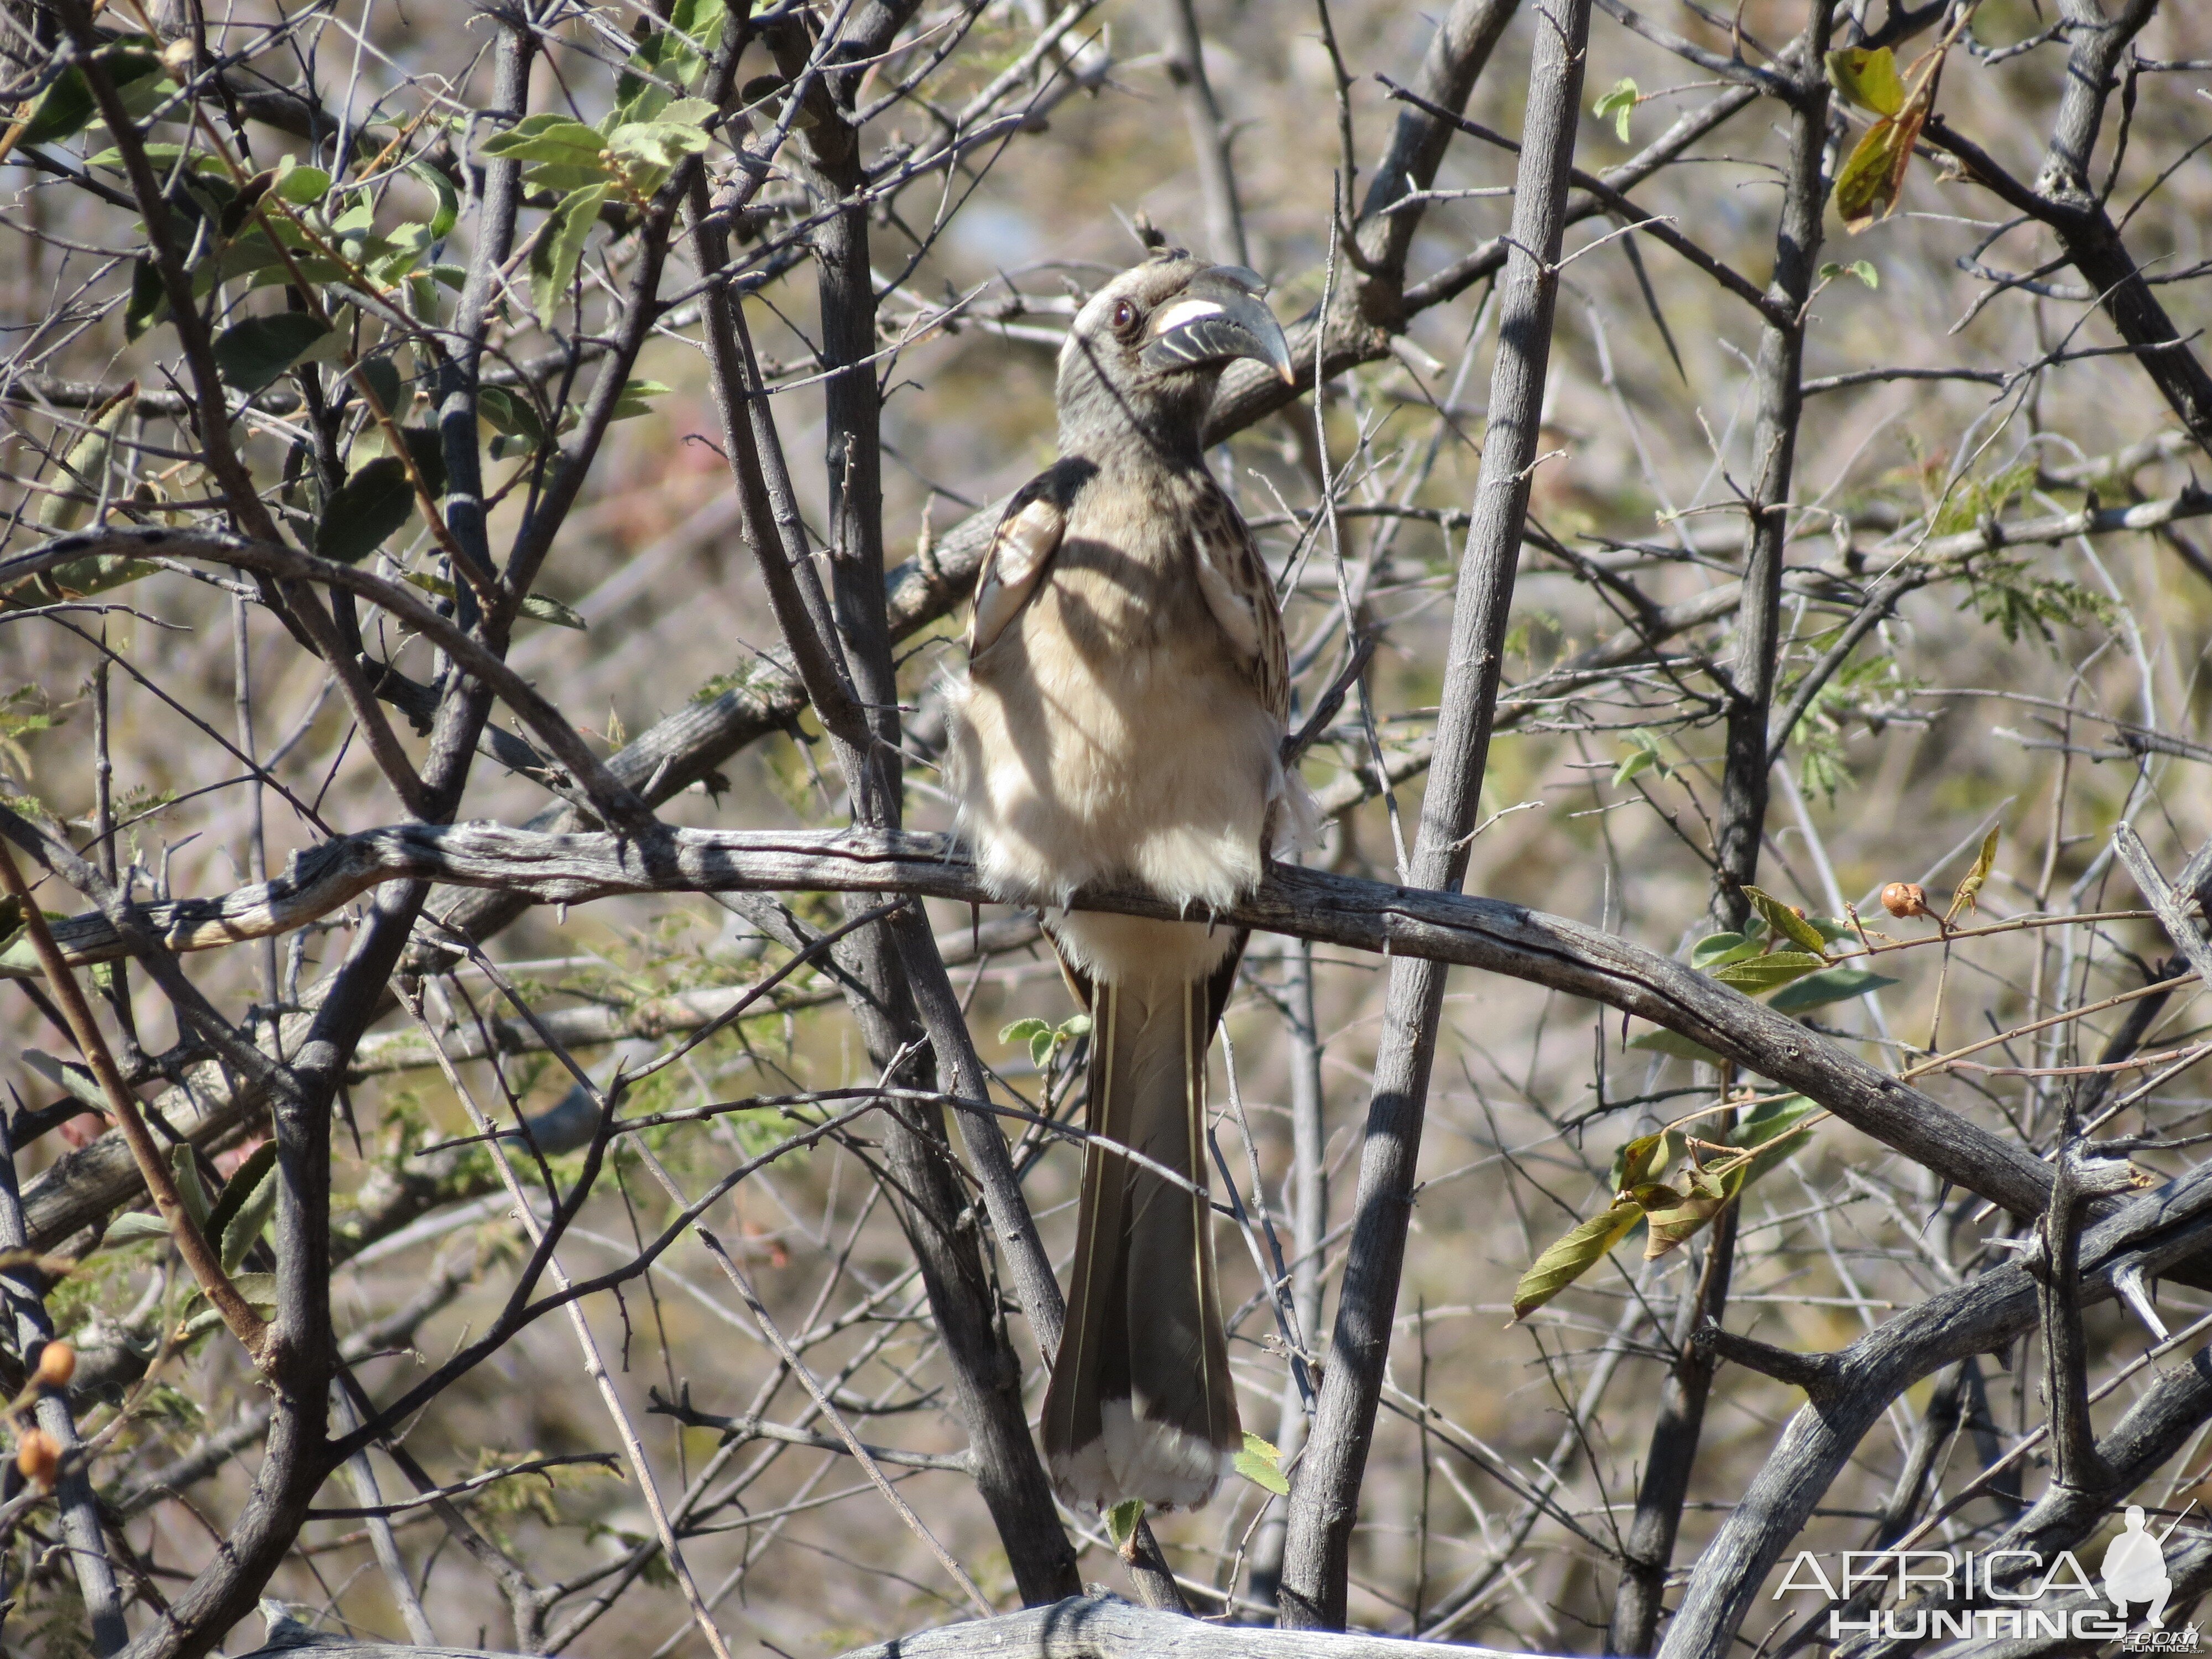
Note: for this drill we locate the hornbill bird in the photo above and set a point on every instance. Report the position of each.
(1122, 721)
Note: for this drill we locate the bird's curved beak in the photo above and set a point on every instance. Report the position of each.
(1219, 316)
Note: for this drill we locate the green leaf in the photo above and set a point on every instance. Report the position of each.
(1122, 1521)
(149, 300)
(635, 398)
(1757, 974)
(1969, 890)
(637, 99)
(1866, 188)
(1770, 1120)
(248, 255)
(510, 414)
(1639, 1160)
(66, 107)
(1769, 1131)
(301, 186)
(142, 92)
(73, 1079)
(237, 1191)
(137, 1225)
(537, 606)
(449, 201)
(554, 138)
(238, 213)
(1864, 270)
(565, 155)
(1036, 1034)
(253, 353)
(1618, 103)
(1775, 1128)
(647, 150)
(1664, 1042)
(1044, 1039)
(1673, 1226)
(658, 144)
(356, 221)
(1263, 1465)
(1642, 755)
(259, 1291)
(87, 466)
(185, 1168)
(428, 448)
(1568, 1257)
(383, 377)
(63, 110)
(674, 51)
(1868, 78)
(1786, 922)
(251, 1219)
(1818, 990)
(1715, 949)
(164, 159)
(79, 578)
(404, 249)
(687, 112)
(560, 245)
(364, 510)
(270, 273)
(515, 420)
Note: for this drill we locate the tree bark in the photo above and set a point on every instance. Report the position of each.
(1324, 1498)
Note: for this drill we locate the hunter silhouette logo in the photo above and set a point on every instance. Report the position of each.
(2135, 1568)
(2134, 1571)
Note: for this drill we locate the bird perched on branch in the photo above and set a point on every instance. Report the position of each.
(1123, 722)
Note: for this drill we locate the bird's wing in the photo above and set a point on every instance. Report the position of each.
(1028, 536)
(1239, 592)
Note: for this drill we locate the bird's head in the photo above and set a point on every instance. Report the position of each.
(1148, 349)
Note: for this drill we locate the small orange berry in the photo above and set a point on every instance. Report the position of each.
(57, 1365)
(1904, 898)
(38, 1455)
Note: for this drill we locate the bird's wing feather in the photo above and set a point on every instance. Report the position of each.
(1022, 546)
(1234, 579)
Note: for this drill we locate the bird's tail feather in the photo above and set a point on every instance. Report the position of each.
(1141, 1404)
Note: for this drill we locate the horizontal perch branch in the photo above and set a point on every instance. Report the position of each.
(1080, 1627)
(1477, 933)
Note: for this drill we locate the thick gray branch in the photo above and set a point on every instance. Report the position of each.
(1439, 927)
(1979, 1317)
(1080, 1627)
(1325, 1497)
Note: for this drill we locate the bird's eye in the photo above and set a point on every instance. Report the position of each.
(1124, 314)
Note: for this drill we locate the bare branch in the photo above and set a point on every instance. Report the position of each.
(1316, 1558)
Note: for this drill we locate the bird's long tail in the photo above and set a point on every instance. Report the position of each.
(1141, 1404)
